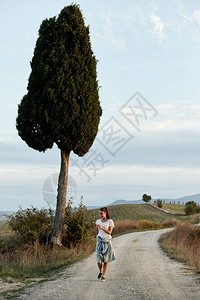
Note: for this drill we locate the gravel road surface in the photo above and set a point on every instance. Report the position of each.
(141, 271)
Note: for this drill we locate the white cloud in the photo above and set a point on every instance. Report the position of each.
(109, 35)
(196, 16)
(192, 20)
(158, 25)
(188, 19)
(196, 19)
(179, 115)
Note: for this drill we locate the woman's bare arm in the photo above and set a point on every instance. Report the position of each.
(96, 228)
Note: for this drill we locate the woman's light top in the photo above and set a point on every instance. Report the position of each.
(106, 225)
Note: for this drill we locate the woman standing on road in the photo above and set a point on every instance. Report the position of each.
(104, 248)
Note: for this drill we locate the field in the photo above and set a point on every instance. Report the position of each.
(178, 208)
(139, 212)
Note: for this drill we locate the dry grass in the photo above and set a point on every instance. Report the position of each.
(183, 243)
(122, 226)
(31, 261)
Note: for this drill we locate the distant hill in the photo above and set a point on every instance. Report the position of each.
(195, 198)
(118, 202)
(92, 207)
(182, 200)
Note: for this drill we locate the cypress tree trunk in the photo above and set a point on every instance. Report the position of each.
(61, 199)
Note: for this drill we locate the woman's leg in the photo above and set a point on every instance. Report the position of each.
(100, 266)
(105, 267)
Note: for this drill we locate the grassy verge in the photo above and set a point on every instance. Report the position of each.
(22, 261)
(183, 244)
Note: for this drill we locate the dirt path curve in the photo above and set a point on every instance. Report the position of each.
(141, 271)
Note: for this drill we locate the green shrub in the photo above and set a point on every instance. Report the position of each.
(32, 224)
(159, 203)
(198, 209)
(77, 224)
(190, 208)
(146, 224)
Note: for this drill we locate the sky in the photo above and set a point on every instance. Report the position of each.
(148, 71)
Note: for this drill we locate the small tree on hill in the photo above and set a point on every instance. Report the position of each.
(146, 198)
(62, 103)
(159, 203)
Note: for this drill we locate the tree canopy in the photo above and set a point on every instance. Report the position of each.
(62, 102)
(146, 198)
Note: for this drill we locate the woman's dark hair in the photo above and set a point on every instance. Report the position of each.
(106, 211)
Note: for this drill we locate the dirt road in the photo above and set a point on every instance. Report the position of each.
(141, 271)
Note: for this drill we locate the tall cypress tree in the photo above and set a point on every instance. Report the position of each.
(62, 102)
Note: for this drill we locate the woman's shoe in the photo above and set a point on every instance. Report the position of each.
(103, 278)
(99, 276)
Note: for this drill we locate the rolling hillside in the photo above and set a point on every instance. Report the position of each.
(181, 201)
(178, 208)
(136, 212)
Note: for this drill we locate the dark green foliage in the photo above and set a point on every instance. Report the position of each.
(191, 208)
(198, 209)
(159, 203)
(146, 198)
(77, 224)
(62, 103)
(32, 224)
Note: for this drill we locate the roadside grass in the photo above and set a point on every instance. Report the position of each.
(183, 244)
(22, 261)
(127, 225)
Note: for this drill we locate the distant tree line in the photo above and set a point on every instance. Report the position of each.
(191, 207)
